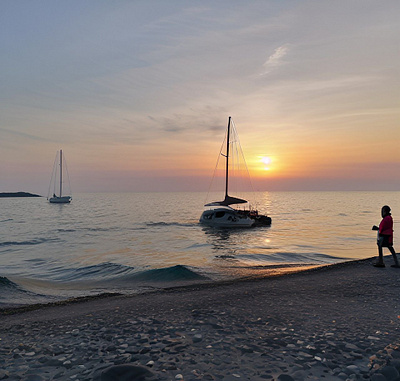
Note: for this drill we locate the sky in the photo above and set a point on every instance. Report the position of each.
(138, 93)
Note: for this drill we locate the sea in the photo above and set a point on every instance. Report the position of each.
(131, 243)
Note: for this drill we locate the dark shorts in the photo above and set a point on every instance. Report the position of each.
(383, 241)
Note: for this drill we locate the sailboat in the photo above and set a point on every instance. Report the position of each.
(58, 199)
(221, 214)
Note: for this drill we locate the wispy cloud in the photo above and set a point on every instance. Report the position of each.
(275, 59)
(24, 135)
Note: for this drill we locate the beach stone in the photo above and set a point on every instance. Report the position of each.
(245, 349)
(390, 373)
(352, 369)
(352, 347)
(59, 374)
(34, 377)
(378, 377)
(197, 338)
(285, 377)
(208, 376)
(395, 363)
(128, 372)
(396, 354)
(299, 375)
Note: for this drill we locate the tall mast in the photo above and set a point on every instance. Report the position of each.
(60, 172)
(227, 158)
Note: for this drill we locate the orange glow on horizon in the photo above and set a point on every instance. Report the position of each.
(264, 166)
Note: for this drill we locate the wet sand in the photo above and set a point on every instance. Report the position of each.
(337, 322)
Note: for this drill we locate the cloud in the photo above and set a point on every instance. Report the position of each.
(195, 121)
(275, 59)
(24, 135)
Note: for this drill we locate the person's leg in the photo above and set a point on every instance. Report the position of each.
(380, 255)
(396, 262)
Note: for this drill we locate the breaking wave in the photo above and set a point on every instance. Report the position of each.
(169, 274)
(13, 294)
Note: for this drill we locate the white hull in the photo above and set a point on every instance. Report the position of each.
(225, 218)
(60, 200)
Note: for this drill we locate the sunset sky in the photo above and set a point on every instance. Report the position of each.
(138, 93)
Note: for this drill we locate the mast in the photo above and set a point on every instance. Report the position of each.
(227, 159)
(60, 172)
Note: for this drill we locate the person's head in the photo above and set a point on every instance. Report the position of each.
(385, 211)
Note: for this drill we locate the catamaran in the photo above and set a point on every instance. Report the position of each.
(58, 169)
(221, 214)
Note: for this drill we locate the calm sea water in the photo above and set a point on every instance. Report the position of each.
(141, 241)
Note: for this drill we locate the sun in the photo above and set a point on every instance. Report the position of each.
(266, 160)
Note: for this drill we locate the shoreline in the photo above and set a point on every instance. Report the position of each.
(336, 322)
(274, 272)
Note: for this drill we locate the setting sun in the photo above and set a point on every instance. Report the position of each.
(266, 161)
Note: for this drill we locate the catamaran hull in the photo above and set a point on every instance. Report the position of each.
(60, 200)
(262, 221)
(225, 219)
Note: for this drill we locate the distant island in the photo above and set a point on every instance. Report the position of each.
(18, 194)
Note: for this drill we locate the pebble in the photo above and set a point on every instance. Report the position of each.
(378, 377)
(390, 372)
(197, 338)
(285, 377)
(127, 372)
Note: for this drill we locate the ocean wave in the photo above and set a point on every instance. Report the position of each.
(7, 283)
(290, 257)
(37, 241)
(168, 274)
(226, 256)
(104, 270)
(10, 291)
(12, 294)
(161, 223)
(198, 245)
(99, 229)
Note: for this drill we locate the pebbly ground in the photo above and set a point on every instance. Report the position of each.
(339, 322)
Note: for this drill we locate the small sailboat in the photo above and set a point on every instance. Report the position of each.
(221, 214)
(58, 175)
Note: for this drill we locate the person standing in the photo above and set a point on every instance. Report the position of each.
(385, 237)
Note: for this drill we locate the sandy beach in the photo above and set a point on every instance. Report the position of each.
(338, 322)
